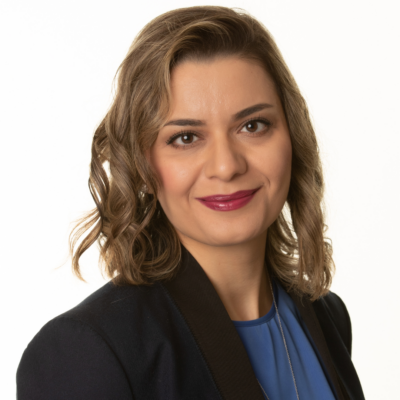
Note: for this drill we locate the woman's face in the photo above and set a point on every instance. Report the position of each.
(226, 132)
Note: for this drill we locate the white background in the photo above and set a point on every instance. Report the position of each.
(58, 59)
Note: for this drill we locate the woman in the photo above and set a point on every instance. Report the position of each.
(210, 225)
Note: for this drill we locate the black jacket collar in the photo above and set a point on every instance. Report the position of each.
(219, 341)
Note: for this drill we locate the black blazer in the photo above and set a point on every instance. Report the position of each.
(170, 341)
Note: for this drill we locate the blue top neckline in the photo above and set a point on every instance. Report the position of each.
(265, 318)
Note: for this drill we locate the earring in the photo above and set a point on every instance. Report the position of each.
(143, 189)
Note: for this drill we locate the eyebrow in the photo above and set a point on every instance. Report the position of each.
(239, 115)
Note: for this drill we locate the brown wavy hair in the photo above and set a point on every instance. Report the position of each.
(138, 244)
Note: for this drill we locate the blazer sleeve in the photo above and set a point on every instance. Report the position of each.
(68, 359)
(339, 314)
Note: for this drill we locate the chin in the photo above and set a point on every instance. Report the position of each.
(231, 237)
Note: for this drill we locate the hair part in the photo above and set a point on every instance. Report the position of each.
(138, 244)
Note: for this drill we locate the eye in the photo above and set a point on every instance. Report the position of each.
(182, 139)
(257, 125)
(186, 139)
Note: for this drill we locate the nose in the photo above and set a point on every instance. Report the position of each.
(225, 158)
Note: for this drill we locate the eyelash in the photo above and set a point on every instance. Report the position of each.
(180, 134)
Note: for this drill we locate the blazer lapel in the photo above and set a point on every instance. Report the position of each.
(217, 338)
(310, 318)
(213, 331)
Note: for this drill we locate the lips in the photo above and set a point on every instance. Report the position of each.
(228, 202)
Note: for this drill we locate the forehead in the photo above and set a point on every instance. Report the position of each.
(218, 87)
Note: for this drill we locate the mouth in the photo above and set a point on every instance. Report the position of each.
(228, 202)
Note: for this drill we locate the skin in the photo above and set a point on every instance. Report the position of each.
(221, 157)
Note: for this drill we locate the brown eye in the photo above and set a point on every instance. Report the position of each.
(182, 140)
(187, 138)
(256, 125)
(252, 126)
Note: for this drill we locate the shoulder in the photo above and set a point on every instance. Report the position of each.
(113, 303)
(78, 352)
(331, 309)
(112, 310)
(108, 308)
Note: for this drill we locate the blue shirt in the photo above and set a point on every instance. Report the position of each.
(263, 341)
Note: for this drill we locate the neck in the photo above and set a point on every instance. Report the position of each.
(238, 274)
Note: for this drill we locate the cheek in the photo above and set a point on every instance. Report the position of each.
(175, 177)
(277, 164)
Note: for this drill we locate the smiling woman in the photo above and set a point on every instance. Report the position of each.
(211, 228)
(238, 141)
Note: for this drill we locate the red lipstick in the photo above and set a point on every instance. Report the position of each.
(228, 202)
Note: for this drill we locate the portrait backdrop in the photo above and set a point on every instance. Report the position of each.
(59, 59)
